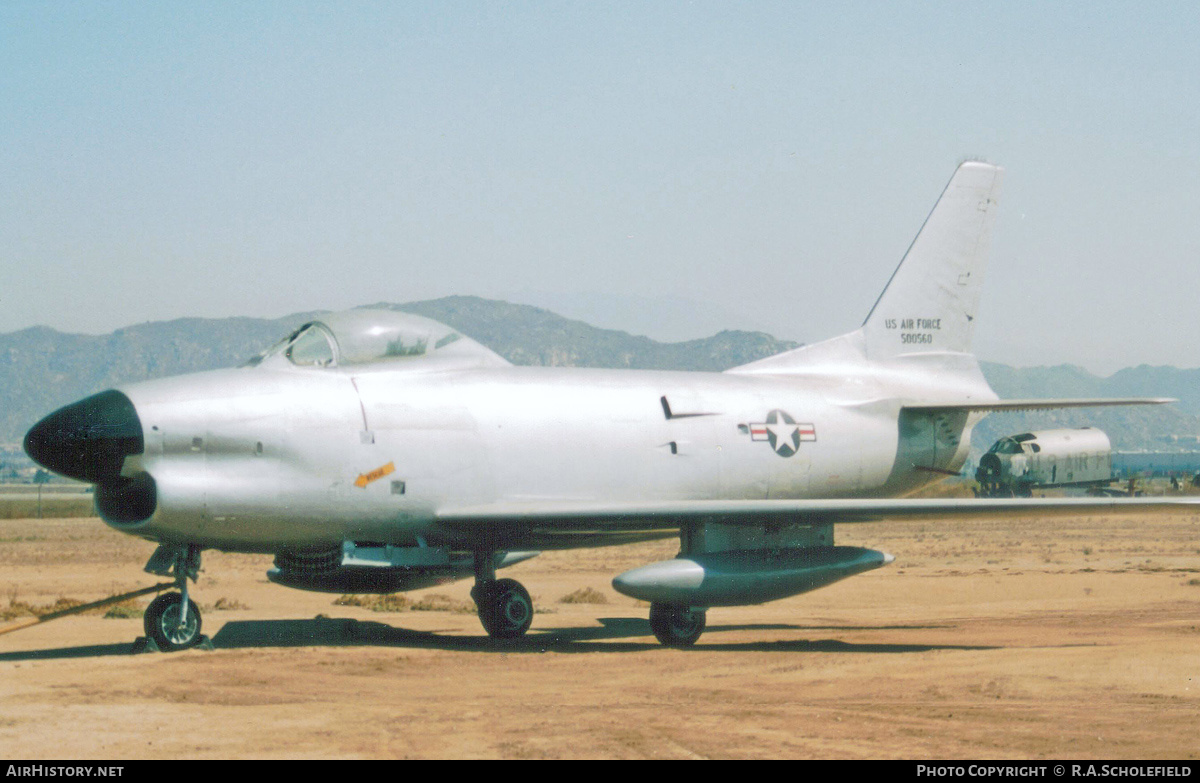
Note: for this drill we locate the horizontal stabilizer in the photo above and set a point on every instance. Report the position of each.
(993, 406)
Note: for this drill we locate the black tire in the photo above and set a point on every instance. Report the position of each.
(505, 608)
(161, 622)
(677, 626)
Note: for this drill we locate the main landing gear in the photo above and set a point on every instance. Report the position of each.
(676, 626)
(172, 621)
(504, 605)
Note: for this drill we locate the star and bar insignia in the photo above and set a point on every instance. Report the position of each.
(783, 433)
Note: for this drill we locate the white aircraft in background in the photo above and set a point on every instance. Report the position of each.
(375, 451)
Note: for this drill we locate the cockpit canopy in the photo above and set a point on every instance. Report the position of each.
(360, 337)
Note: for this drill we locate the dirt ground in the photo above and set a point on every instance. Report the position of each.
(1026, 638)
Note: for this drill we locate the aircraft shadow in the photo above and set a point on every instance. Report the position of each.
(347, 632)
(603, 638)
(91, 651)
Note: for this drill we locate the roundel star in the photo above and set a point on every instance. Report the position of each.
(783, 433)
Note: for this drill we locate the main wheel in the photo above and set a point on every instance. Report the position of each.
(505, 608)
(161, 622)
(676, 626)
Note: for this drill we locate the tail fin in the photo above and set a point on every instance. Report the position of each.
(929, 304)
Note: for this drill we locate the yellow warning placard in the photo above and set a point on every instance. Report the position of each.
(366, 478)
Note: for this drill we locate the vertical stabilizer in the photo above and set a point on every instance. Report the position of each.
(929, 305)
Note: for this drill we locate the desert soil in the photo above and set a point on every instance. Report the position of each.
(1026, 638)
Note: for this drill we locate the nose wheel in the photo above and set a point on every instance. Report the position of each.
(169, 625)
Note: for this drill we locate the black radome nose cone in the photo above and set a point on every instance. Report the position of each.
(88, 440)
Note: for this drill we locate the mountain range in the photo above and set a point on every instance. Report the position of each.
(42, 369)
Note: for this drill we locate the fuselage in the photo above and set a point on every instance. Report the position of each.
(279, 456)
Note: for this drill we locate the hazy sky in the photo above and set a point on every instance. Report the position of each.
(769, 161)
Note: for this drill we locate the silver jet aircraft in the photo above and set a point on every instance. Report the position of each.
(375, 451)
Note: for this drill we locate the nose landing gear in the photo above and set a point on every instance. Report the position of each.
(172, 621)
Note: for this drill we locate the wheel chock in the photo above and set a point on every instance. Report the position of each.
(145, 645)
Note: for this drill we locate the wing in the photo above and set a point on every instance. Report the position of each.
(566, 524)
(1029, 405)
